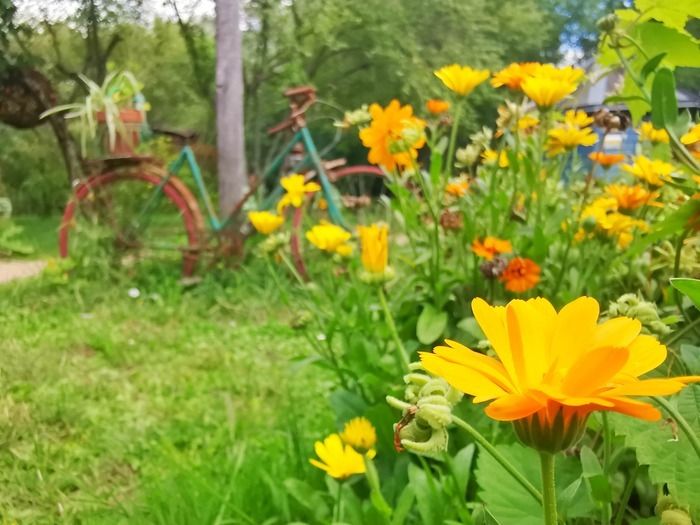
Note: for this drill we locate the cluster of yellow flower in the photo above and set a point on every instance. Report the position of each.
(574, 131)
(344, 454)
(602, 216)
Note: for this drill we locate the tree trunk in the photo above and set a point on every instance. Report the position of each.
(229, 106)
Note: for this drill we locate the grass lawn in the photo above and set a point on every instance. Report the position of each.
(177, 406)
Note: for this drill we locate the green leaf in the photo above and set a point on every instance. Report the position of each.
(667, 451)
(688, 287)
(306, 496)
(672, 13)
(504, 497)
(431, 324)
(664, 106)
(594, 475)
(652, 64)
(690, 355)
(674, 223)
(428, 497)
(681, 48)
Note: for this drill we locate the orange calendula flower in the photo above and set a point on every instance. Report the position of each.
(296, 189)
(521, 275)
(461, 79)
(606, 160)
(552, 369)
(548, 84)
(490, 157)
(457, 187)
(489, 247)
(655, 172)
(692, 140)
(394, 136)
(437, 106)
(339, 460)
(648, 132)
(632, 197)
(512, 76)
(265, 222)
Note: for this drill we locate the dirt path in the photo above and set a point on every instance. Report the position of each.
(11, 270)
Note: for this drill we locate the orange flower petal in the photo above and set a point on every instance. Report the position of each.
(512, 407)
(492, 320)
(463, 378)
(634, 408)
(593, 369)
(617, 332)
(648, 387)
(490, 367)
(646, 353)
(576, 324)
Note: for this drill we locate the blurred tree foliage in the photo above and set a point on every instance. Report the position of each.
(353, 52)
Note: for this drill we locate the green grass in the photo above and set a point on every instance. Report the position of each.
(176, 407)
(41, 233)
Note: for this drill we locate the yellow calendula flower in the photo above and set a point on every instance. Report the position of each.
(330, 238)
(527, 123)
(296, 189)
(490, 157)
(265, 222)
(337, 459)
(549, 84)
(632, 197)
(648, 132)
(654, 172)
(602, 216)
(512, 76)
(374, 247)
(552, 369)
(360, 435)
(567, 137)
(394, 135)
(461, 79)
(692, 140)
(577, 118)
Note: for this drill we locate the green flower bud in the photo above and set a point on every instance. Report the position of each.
(675, 517)
(589, 224)
(433, 447)
(607, 23)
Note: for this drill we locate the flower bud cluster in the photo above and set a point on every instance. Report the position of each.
(427, 412)
(632, 305)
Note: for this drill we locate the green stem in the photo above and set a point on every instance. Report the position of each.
(624, 499)
(607, 443)
(549, 491)
(401, 355)
(495, 454)
(682, 422)
(376, 495)
(338, 502)
(680, 333)
(453, 138)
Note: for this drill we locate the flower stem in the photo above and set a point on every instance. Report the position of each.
(495, 454)
(376, 495)
(338, 503)
(401, 356)
(548, 488)
(453, 139)
(682, 422)
(624, 499)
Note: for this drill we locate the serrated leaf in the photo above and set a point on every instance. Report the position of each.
(688, 287)
(690, 356)
(669, 454)
(674, 13)
(664, 106)
(431, 324)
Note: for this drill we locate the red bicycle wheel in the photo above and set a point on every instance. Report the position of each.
(133, 217)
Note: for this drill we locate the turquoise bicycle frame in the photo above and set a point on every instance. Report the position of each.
(311, 159)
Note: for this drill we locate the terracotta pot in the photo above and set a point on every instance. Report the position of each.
(128, 139)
